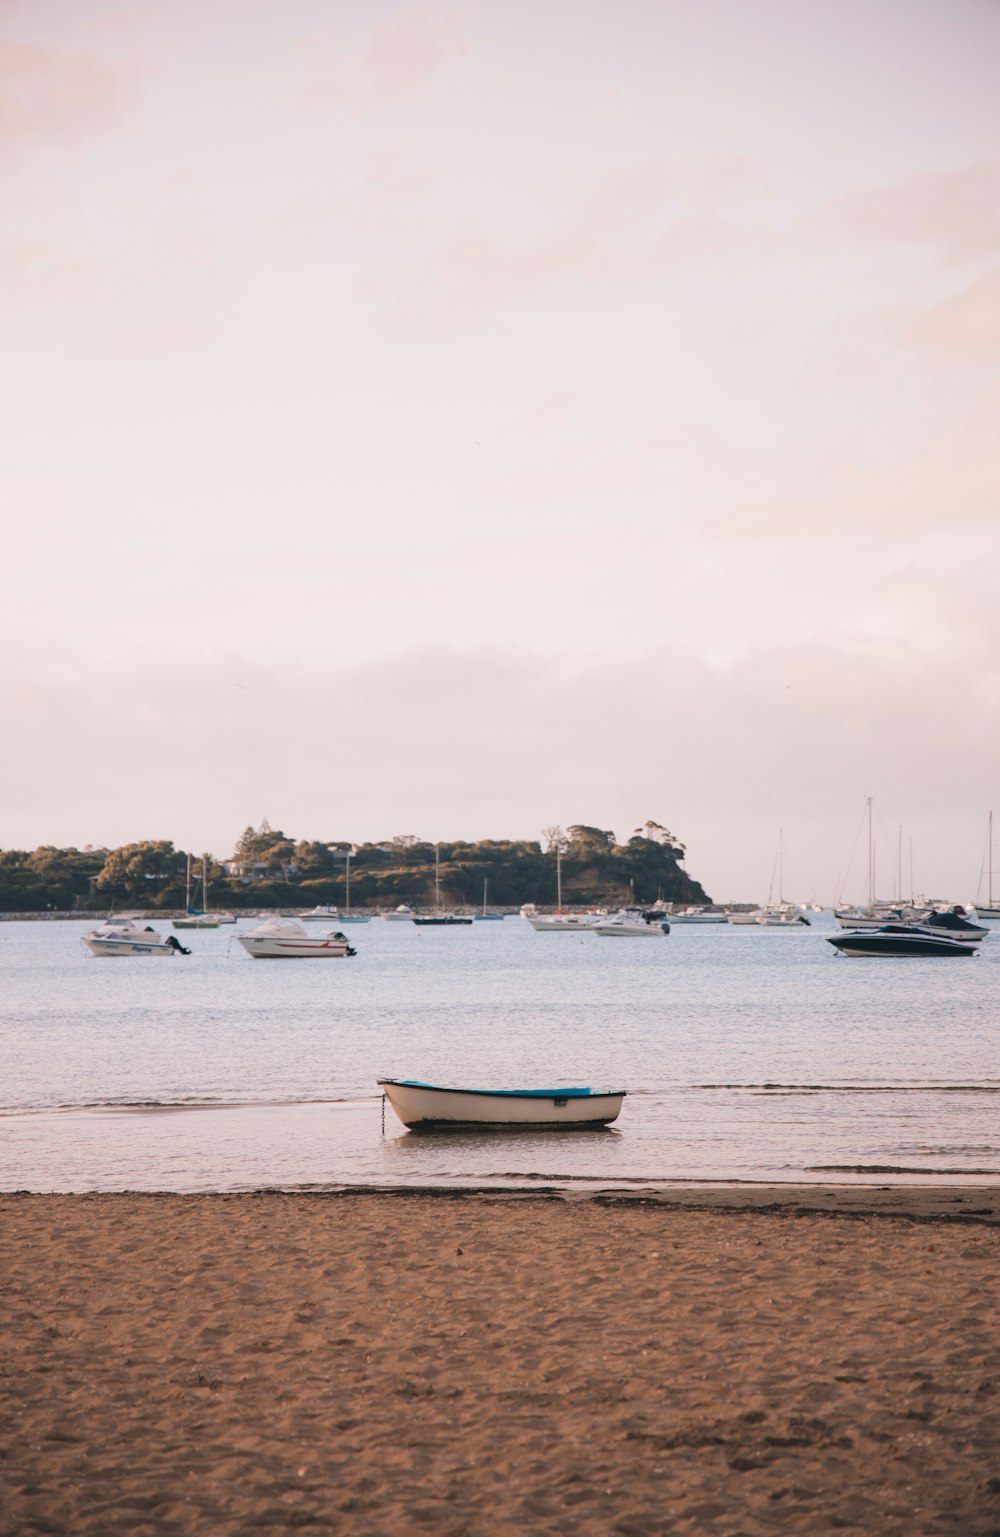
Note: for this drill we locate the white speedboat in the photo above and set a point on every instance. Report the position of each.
(129, 936)
(197, 921)
(320, 914)
(697, 915)
(400, 914)
(633, 923)
(428, 1107)
(287, 939)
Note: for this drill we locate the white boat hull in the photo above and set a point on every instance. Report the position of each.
(630, 930)
(427, 1107)
(271, 948)
(128, 947)
(569, 923)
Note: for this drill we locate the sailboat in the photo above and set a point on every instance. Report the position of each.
(988, 910)
(347, 916)
(439, 918)
(774, 915)
(197, 917)
(484, 916)
(558, 922)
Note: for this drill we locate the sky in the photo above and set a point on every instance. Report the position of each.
(464, 417)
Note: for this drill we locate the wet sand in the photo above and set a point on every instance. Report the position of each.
(724, 1360)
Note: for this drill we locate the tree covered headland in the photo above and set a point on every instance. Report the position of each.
(269, 869)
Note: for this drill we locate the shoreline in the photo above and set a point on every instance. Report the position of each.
(967, 1204)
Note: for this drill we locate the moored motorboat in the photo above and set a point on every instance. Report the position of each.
(320, 914)
(124, 936)
(632, 923)
(954, 922)
(400, 914)
(899, 940)
(287, 939)
(698, 915)
(440, 920)
(431, 1107)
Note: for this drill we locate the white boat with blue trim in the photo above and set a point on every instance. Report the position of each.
(432, 1107)
(125, 936)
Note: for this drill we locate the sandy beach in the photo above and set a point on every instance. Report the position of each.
(739, 1360)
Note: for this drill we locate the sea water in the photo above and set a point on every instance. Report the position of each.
(747, 1053)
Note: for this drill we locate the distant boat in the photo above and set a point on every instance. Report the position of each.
(776, 916)
(347, 916)
(318, 913)
(564, 923)
(430, 1107)
(698, 915)
(989, 910)
(400, 914)
(632, 923)
(123, 936)
(559, 922)
(438, 918)
(197, 917)
(484, 916)
(287, 939)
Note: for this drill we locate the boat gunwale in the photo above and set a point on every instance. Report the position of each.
(577, 1093)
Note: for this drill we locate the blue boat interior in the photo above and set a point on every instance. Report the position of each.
(414, 1083)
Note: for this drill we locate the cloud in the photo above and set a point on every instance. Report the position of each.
(965, 327)
(392, 61)
(636, 225)
(955, 213)
(52, 96)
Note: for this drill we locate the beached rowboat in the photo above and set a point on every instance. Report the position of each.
(429, 1107)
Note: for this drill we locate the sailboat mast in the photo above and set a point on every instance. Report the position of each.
(437, 878)
(899, 868)
(989, 858)
(485, 888)
(187, 887)
(871, 857)
(559, 875)
(204, 881)
(347, 886)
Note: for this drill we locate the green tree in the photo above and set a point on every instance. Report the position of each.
(138, 869)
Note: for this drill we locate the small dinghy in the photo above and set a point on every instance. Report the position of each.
(430, 1107)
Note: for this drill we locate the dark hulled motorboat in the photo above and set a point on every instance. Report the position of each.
(900, 939)
(955, 924)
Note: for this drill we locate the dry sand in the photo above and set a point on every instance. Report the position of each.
(726, 1362)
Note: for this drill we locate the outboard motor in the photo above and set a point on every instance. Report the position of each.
(175, 944)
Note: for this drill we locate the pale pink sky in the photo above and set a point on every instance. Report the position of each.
(457, 417)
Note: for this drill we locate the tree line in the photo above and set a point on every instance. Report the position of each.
(269, 869)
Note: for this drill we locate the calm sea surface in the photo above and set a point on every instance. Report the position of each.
(749, 1054)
